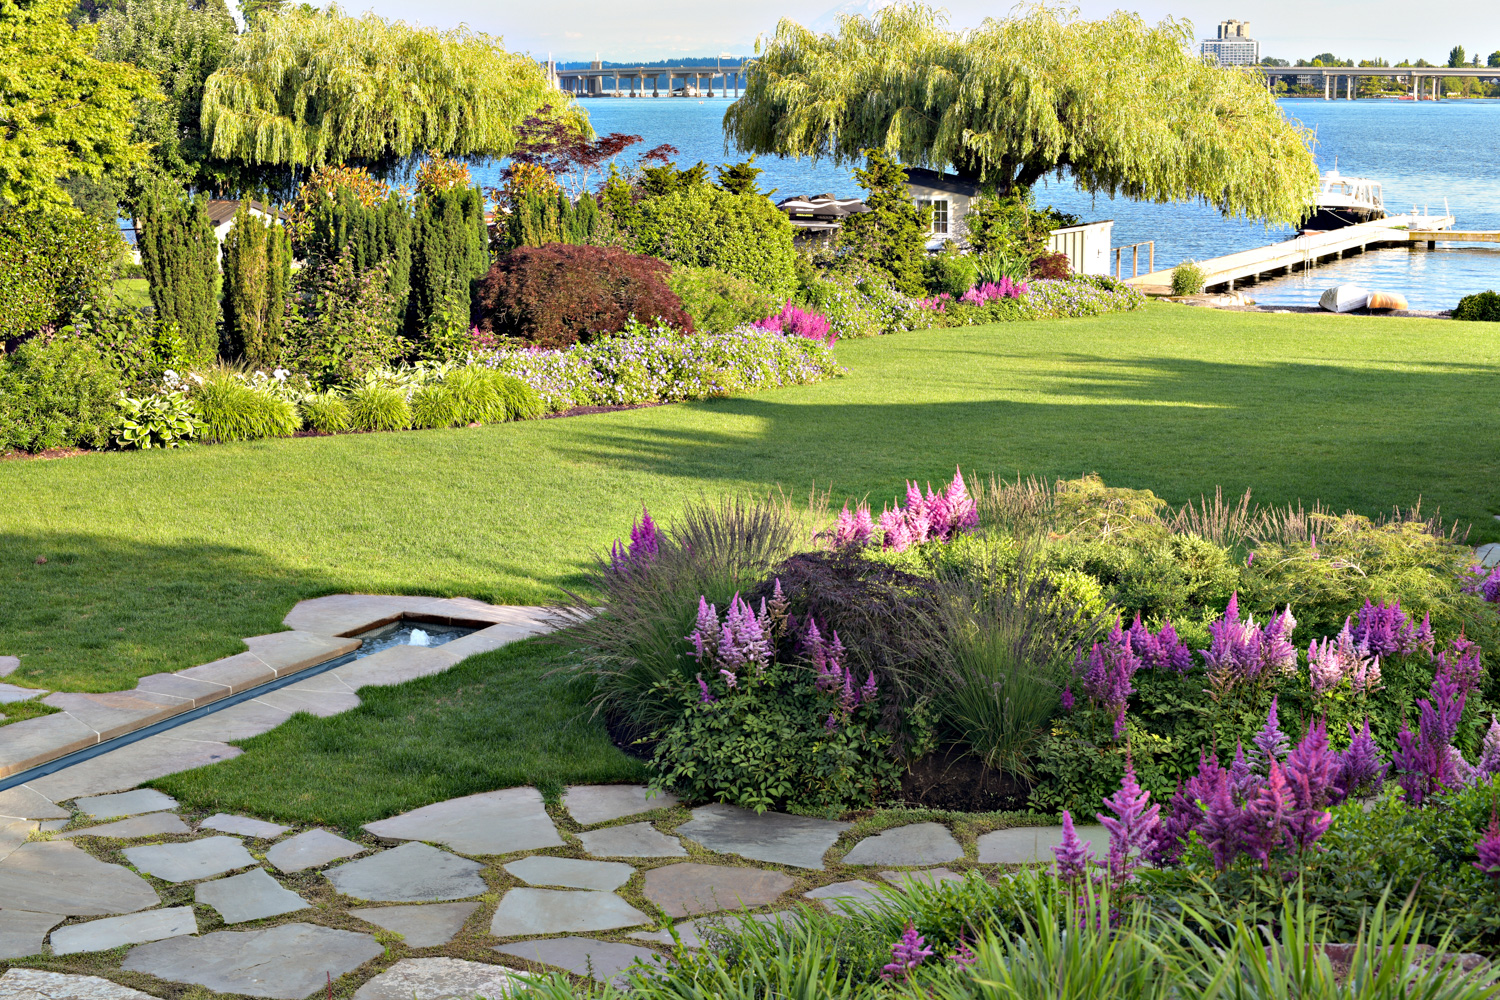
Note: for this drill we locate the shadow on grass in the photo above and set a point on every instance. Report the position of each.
(496, 720)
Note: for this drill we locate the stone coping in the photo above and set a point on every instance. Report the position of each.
(319, 630)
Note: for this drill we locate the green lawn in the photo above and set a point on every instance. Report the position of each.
(133, 292)
(162, 560)
(494, 721)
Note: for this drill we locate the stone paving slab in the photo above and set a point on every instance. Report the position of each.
(915, 844)
(237, 722)
(193, 691)
(634, 840)
(30, 742)
(930, 877)
(9, 665)
(492, 638)
(337, 614)
(689, 889)
(14, 833)
(419, 926)
(33, 984)
(149, 825)
(323, 696)
(839, 898)
(111, 932)
(244, 826)
(290, 652)
(253, 895)
(1488, 556)
(114, 713)
(799, 841)
(52, 825)
(411, 873)
(694, 933)
(56, 877)
(443, 979)
(142, 800)
(23, 932)
(312, 849)
(24, 802)
(12, 692)
(129, 766)
(605, 876)
(557, 911)
(603, 960)
(395, 665)
(239, 672)
(287, 962)
(502, 822)
(192, 860)
(590, 804)
(1025, 844)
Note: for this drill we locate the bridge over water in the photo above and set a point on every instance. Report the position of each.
(649, 81)
(1417, 76)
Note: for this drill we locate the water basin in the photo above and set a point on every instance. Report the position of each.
(407, 632)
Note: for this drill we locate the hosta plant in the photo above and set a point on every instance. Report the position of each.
(163, 420)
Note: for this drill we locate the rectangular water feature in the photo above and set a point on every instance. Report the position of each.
(408, 632)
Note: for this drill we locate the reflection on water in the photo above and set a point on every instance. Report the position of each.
(1430, 279)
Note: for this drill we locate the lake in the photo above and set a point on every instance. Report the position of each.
(1426, 154)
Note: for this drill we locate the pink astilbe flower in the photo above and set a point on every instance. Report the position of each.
(1073, 855)
(1424, 637)
(906, 954)
(1271, 744)
(854, 528)
(643, 548)
(1264, 820)
(963, 956)
(1462, 665)
(1331, 662)
(1134, 826)
(1489, 751)
(1242, 778)
(796, 322)
(1105, 676)
(1310, 770)
(730, 678)
(933, 517)
(1488, 848)
(1361, 770)
(1384, 630)
(741, 639)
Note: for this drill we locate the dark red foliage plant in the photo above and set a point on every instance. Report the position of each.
(559, 294)
(1051, 266)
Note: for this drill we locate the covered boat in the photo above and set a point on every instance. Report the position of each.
(1345, 201)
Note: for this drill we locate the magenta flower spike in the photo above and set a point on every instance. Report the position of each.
(1073, 855)
(1264, 820)
(1310, 771)
(1271, 744)
(1462, 665)
(1134, 826)
(1067, 698)
(1424, 634)
(906, 954)
(868, 690)
(1488, 848)
(706, 695)
(1241, 776)
(1361, 770)
(1489, 753)
(963, 956)
(1410, 766)
(644, 544)
(1221, 827)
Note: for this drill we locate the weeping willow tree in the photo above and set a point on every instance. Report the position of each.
(1123, 107)
(307, 88)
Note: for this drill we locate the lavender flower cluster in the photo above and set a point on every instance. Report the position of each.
(1104, 674)
(738, 643)
(826, 656)
(648, 365)
(642, 550)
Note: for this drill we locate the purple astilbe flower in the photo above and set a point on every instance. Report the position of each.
(1277, 654)
(1221, 827)
(1187, 811)
(1361, 771)
(1067, 697)
(1073, 855)
(1264, 820)
(1241, 775)
(1271, 744)
(824, 654)
(1440, 711)
(705, 695)
(1384, 630)
(743, 639)
(963, 956)
(906, 954)
(1486, 585)
(868, 690)
(730, 678)
(854, 528)
(1106, 678)
(1424, 634)
(1310, 770)
(1334, 661)
(643, 548)
(831, 723)
(1134, 826)
(1460, 773)
(1489, 752)
(1488, 848)
(1462, 665)
(1162, 651)
(1411, 769)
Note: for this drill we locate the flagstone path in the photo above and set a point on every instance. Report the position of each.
(462, 898)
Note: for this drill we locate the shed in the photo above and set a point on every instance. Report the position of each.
(1086, 246)
(948, 195)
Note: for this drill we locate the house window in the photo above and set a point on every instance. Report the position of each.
(939, 208)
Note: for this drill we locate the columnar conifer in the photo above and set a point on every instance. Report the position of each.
(181, 257)
(257, 272)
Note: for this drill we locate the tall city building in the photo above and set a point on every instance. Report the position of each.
(1233, 46)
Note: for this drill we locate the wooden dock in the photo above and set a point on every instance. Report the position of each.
(1309, 250)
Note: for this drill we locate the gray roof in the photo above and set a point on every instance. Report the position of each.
(941, 182)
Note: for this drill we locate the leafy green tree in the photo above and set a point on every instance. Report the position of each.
(666, 179)
(703, 226)
(53, 265)
(1124, 108)
(180, 42)
(1455, 57)
(257, 272)
(892, 235)
(739, 178)
(181, 257)
(62, 111)
(307, 89)
(1494, 59)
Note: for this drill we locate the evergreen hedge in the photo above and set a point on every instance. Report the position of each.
(52, 265)
(257, 273)
(375, 234)
(450, 253)
(704, 226)
(180, 255)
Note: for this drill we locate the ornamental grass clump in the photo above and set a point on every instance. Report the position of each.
(228, 408)
(377, 407)
(325, 412)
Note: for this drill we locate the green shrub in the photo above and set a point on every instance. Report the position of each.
(161, 420)
(450, 252)
(181, 256)
(325, 412)
(719, 302)
(1187, 279)
(56, 393)
(137, 344)
(257, 263)
(950, 272)
(703, 226)
(373, 226)
(1482, 306)
(344, 323)
(375, 407)
(993, 266)
(891, 237)
(1013, 227)
(52, 265)
(229, 409)
(434, 405)
(537, 218)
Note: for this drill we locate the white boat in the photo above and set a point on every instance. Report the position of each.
(1345, 201)
(1344, 298)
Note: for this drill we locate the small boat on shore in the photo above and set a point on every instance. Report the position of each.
(1344, 298)
(1345, 201)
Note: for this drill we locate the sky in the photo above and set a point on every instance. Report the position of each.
(662, 29)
